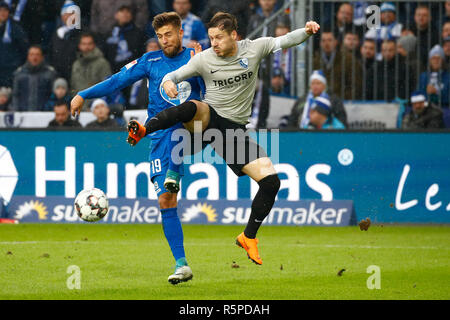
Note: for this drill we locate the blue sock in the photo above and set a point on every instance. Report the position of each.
(173, 232)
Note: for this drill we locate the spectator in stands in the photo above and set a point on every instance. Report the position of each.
(124, 43)
(436, 81)
(101, 111)
(62, 116)
(446, 47)
(447, 11)
(446, 30)
(342, 72)
(139, 90)
(320, 116)
(152, 44)
(278, 82)
(390, 28)
(103, 11)
(194, 30)
(281, 64)
(5, 95)
(32, 85)
(344, 22)
(422, 116)
(351, 44)
(406, 48)
(13, 45)
(422, 29)
(391, 71)
(63, 46)
(90, 67)
(265, 10)
(239, 8)
(299, 117)
(60, 92)
(261, 103)
(368, 63)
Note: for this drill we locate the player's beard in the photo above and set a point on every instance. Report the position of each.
(172, 51)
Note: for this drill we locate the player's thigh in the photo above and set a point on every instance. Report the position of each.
(259, 169)
(201, 116)
(167, 200)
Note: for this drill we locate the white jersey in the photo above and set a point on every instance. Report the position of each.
(230, 81)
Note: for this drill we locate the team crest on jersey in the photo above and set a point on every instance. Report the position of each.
(244, 63)
(184, 92)
(132, 63)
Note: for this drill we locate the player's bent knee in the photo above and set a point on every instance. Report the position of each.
(201, 118)
(167, 200)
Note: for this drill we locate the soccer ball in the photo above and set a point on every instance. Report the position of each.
(91, 204)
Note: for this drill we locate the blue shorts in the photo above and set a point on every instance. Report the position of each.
(160, 153)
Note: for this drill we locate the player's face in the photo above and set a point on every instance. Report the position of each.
(169, 38)
(222, 42)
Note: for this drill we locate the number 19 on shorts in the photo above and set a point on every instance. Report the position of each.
(155, 166)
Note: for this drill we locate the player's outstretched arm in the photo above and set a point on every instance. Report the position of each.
(297, 36)
(129, 74)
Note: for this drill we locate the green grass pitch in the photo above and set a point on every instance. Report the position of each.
(134, 261)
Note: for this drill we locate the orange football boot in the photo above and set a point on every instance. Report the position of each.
(136, 132)
(249, 245)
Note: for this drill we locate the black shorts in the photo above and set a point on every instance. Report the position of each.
(236, 147)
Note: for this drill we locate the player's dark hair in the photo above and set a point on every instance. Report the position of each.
(166, 18)
(223, 21)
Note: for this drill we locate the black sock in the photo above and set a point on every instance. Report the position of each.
(262, 204)
(167, 118)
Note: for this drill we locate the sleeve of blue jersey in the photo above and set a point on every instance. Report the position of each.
(128, 75)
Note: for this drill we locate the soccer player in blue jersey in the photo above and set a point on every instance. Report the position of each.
(154, 66)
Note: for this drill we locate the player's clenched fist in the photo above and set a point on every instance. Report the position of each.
(170, 88)
(76, 104)
(312, 27)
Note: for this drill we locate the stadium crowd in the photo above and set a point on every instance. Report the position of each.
(45, 60)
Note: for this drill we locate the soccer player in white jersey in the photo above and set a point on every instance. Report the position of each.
(229, 69)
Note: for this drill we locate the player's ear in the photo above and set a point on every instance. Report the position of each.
(181, 33)
(234, 34)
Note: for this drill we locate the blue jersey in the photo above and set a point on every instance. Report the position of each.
(153, 66)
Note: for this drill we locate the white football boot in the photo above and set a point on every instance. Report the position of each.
(182, 274)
